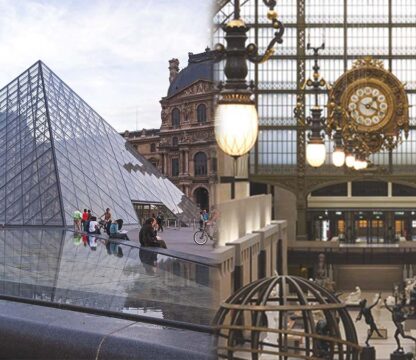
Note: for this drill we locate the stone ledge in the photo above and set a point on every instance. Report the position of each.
(36, 332)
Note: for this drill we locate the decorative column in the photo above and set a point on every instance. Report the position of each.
(187, 162)
(181, 167)
(301, 224)
(301, 203)
(165, 164)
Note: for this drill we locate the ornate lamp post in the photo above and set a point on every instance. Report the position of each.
(236, 121)
(315, 149)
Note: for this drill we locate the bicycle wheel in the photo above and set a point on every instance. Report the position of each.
(200, 237)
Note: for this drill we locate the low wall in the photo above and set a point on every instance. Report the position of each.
(243, 216)
(251, 257)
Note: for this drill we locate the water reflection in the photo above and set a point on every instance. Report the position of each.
(58, 266)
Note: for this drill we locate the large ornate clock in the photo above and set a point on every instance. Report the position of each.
(373, 103)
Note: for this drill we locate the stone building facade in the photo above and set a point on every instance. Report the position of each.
(184, 148)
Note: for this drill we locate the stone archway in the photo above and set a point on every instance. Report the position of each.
(201, 198)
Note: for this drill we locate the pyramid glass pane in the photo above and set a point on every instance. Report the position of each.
(98, 168)
(29, 190)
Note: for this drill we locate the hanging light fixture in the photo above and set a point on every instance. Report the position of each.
(349, 159)
(315, 148)
(338, 155)
(360, 162)
(236, 120)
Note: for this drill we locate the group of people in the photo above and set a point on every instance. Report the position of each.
(88, 223)
(148, 233)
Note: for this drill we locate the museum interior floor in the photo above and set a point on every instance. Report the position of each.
(383, 319)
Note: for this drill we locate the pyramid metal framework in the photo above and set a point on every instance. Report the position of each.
(57, 155)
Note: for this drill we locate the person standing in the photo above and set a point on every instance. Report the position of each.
(77, 216)
(213, 223)
(107, 220)
(84, 220)
(160, 220)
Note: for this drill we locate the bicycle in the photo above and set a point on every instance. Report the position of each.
(201, 236)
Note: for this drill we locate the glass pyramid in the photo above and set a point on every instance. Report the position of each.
(57, 155)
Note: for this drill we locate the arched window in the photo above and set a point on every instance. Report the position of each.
(201, 113)
(176, 117)
(152, 147)
(175, 141)
(200, 160)
(201, 197)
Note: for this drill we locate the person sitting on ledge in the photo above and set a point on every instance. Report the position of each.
(93, 226)
(147, 236)
(113, 228)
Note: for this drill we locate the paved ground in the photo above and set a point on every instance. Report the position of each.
(181, 240)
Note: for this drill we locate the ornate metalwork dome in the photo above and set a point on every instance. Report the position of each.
(288, 317)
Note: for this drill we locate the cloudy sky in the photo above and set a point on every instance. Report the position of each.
(113, 53)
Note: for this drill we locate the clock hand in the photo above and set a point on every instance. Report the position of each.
(370, 106)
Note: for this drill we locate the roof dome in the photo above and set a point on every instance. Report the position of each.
(200, 67)
(285, 316)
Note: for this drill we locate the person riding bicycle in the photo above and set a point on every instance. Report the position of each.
(205, 218)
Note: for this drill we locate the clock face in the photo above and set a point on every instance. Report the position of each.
(368, 106)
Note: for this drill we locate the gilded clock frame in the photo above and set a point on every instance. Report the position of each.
(369, 71)
(384, 90)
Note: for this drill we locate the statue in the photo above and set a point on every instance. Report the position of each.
(412, 298)
(398, 316)
(321, 273)
(368, 317)
(411, 284)
(354, 297)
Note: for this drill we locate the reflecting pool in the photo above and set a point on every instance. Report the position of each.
(59, 266)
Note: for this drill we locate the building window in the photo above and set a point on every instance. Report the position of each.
(201, 112)
(369, 188)
(176, 117)
(152, 147)
(200, 161)
(175, 167)
(175, 141)
(332, 190)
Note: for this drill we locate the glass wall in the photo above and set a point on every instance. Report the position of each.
(350, 29)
